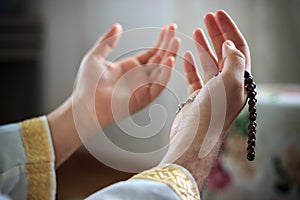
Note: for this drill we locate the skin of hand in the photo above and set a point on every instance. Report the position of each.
(138, 74)
(193, 125)
(134, 78)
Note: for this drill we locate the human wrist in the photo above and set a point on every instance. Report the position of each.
(89, 117)
(63, 132)
(199, 154)
(200, 167)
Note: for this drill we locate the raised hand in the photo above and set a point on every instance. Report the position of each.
(123, 87)
(108, 91)
(199, 129)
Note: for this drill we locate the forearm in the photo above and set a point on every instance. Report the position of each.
(196, 146)
(200, 167)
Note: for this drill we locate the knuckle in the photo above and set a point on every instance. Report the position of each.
(237, 58)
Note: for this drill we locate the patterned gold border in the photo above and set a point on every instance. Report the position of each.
(175, 177)
(40, 166)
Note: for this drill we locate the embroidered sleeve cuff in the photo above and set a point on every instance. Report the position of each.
(176, 177)
(39, 152)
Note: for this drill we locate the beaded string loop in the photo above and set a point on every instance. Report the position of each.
(251, 93)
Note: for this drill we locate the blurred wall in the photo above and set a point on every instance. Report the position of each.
(276, 44)
(62, 48)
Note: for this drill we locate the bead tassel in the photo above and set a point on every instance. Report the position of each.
(251, 93)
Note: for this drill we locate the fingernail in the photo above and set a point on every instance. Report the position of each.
(197, 30)
(229, 43)
(118, 25)
(172, 59)
(173, 25)
(227, 47)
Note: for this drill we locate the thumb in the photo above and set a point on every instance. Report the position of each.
(234, 60)
(107, 41)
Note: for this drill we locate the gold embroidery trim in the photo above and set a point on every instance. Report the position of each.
(39, 164)
(175, 177)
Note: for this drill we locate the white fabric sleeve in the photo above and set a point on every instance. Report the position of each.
(166, 182)
(13, 181)
(136, 189)
(27, 160)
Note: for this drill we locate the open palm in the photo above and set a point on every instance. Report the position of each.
(121, 88)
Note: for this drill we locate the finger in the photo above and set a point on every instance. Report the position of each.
(107, 42)
(207, 58)
(202, 44)
(144, 56)
(159, 55)
(172, 49)
(192, 76)
(161, 76)
(231, 32)
(234, 61)
(215, 33)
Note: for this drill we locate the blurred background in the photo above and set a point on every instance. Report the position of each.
(42, 43)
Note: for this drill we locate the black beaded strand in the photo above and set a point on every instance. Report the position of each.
(251, 93)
